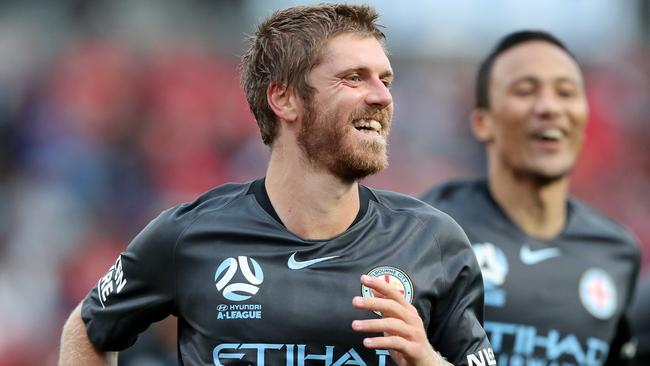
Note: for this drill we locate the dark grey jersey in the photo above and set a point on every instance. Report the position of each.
(548, 302)
(247, 291)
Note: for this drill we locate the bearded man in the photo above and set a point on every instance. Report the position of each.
(304, 266)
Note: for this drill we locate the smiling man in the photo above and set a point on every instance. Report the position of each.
(304, 266)
(558, 274)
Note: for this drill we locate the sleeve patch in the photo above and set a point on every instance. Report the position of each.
(113, 282)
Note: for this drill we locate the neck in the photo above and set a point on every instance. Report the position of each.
(312, 203)
(540, 210)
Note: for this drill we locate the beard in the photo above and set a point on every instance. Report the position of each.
(328, 141)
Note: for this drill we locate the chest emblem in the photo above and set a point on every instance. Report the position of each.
(238, 291)
(598, 293)
(294, 264)
(393, 276)
(529, 256)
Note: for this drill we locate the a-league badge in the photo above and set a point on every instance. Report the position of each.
(598, 293)
(393, 276)
(494, 268)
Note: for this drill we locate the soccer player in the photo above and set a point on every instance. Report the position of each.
(640, 319)
(558, 274)
(304, 266)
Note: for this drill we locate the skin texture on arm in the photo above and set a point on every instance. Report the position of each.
(76, 348)
(404, 334)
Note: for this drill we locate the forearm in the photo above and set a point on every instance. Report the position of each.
(441, 361)
(76, 348)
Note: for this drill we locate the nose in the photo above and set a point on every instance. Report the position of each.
(379, 95)
(547, 105)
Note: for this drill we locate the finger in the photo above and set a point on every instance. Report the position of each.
(387, 307)
(378, 294)
(383, 288)
(393, 343)
(392, 326)
(409, 352)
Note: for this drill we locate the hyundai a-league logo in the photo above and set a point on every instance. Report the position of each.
(238, 291)
(493, 263)
(393, 276)
(494, 268)
(598, 293)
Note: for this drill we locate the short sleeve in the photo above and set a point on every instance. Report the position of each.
(457, 331)
(136, 291)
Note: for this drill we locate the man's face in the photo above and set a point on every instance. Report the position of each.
(538, 111)
(345, 127)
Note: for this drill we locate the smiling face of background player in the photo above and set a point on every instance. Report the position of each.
(534, 125)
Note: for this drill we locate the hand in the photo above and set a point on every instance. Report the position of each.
(401, 325)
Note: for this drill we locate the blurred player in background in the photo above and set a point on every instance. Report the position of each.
(558, 274)
(267, 272)
(640, 319)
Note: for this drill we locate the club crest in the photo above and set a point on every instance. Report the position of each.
(598, 293)
(393, 276)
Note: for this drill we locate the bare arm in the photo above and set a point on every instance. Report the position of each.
(76, 348)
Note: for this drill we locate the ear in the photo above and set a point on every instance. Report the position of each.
(482, 125)
(283, 101)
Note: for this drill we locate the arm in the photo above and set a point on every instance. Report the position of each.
(135, 291)
(624, 345)
(404, 334)
(76, 348)
(618, 349)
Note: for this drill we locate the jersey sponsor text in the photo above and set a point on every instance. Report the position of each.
(557, 349)
(484, 357)
(239, 311)
(294, 354)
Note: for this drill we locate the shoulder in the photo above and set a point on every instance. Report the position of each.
(405, 204)
(173, 221)
(452, 193)
(214, 199)
(401, 204)
(589, 221)
(594, 220)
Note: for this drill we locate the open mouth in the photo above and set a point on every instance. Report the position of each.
(367, 126)
(550, 134)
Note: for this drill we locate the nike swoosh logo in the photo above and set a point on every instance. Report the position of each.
(529, 256)
(294, 264)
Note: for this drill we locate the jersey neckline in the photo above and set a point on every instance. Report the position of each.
(258, 190)
(485, 189)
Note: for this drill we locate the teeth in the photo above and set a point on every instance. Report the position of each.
(552, 133)
(375, 125)
(371, 124)
(361, 124)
